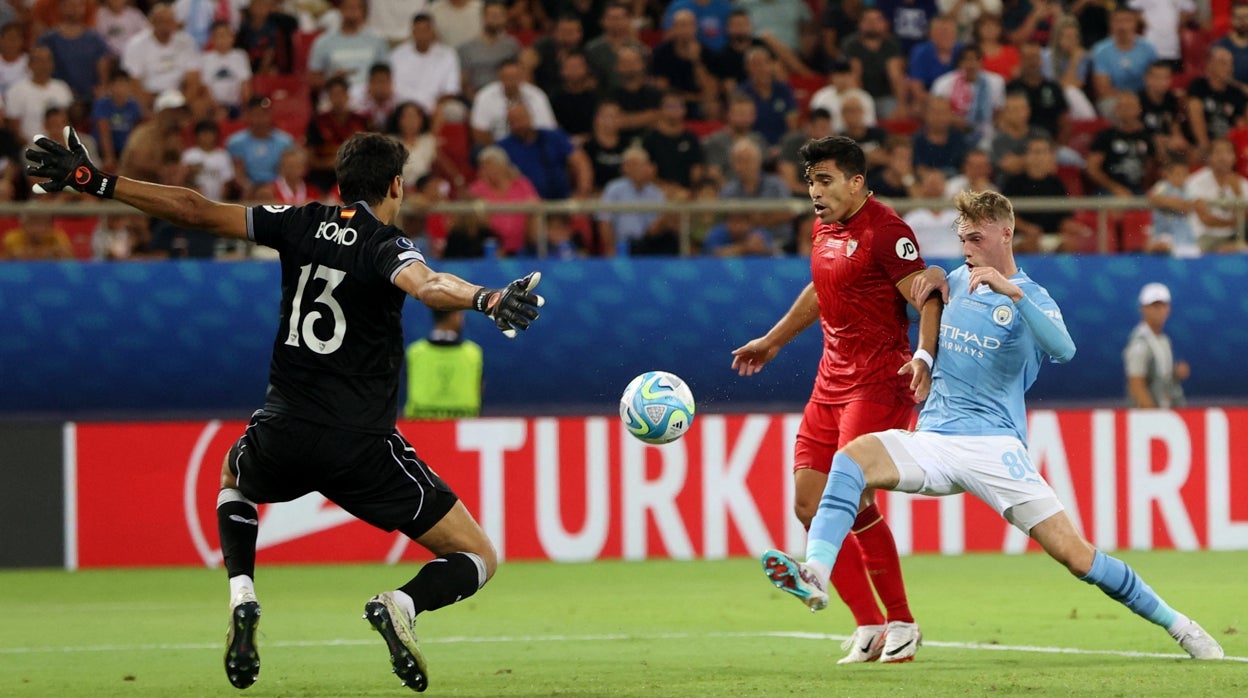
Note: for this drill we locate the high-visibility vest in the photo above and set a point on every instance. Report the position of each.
(443, 380)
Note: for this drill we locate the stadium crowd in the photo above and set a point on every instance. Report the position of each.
(637, 101)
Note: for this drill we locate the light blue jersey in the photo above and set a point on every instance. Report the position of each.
(990, 352)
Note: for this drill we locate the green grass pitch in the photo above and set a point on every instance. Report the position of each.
(993, 624)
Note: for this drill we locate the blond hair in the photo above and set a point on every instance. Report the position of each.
(984, 207)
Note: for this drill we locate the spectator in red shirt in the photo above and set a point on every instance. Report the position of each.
(328, 130)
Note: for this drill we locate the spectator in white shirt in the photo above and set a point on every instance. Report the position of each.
(489, 110)
(1163, 19)
(161, 57)
(348, 51)
(935, 229)
(458, 21)
(198, 16)
(425, 71)
(389, 18)
(28, 100)
(118, 21)
(206, 167)
(225, 71)
(14, 63)
(841, 85)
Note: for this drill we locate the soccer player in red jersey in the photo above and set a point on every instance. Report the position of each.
(863, 261)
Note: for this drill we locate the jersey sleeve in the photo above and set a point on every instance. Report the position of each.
(1042, 316)
(271, 225)
(392, 252)
(895, 250)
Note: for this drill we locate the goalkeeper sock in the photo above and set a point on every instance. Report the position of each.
(838, 507)
(1122, 584)
(445, 580)
(849, 578)
(883, 565)
(237, 526)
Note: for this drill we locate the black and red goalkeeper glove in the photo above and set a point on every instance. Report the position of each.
(67, 168)
(511, 308)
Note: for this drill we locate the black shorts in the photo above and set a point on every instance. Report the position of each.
(375, 477)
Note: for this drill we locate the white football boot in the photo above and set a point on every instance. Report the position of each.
(901, 641)
(865, 645)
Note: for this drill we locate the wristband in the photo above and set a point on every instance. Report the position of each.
(925, 356)
(480, 298)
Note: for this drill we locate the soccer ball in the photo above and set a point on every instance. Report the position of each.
(657, 407)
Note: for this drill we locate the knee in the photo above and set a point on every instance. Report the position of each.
(228, 478)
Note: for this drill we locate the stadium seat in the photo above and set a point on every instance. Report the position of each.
(805, 87)
(1239, 137)
(650, 37)
(1072, 178)
(702, 129)
(1082, 131)
(1195, 45)
(900, 127)
(292, 107)
(1087, 244)
(302, 47)
(1136, 230)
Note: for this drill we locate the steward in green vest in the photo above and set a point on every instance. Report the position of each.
(444, 372)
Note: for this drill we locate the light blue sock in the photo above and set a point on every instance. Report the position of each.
(838, 507)
(1122, 584)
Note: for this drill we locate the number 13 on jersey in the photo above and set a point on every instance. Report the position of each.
(332, 278)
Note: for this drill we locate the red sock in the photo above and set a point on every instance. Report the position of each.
(881, 562)
(849, 578)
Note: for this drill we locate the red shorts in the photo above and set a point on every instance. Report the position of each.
(826, 428)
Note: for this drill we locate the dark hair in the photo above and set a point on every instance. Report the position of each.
(337, 81)
(738, 13)
(207, 125)
(1161, 63)
(378, 68)
(819, 113)
(843, 151)
(968, 48)
(367, 164)
(422, 17)
(116, 74)
(220, 23)
(53, 111)
(392, 123)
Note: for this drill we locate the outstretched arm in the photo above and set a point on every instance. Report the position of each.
(749, 359)
(511, 308)
(71, 168)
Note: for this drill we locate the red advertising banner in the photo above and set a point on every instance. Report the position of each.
(581, 488)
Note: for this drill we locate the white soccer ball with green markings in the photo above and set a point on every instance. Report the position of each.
(657, 407)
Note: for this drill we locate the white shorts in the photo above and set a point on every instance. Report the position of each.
(995, 469)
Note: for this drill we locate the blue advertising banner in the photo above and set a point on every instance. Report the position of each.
(152, 339)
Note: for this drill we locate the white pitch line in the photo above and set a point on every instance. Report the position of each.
(350, 642)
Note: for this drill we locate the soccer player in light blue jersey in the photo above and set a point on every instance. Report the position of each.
(998, 325)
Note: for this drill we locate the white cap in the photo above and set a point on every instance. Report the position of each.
(1154, 293)
(169, 99)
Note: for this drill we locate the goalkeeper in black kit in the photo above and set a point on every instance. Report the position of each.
(328, 421)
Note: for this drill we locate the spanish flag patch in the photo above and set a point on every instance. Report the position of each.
(347, 213)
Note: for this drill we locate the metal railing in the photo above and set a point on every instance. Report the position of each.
(1103, 206)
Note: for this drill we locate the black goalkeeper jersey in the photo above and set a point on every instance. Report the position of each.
(339, 346)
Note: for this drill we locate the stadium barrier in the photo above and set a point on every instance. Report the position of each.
(165, 340)
(1104, 214)
(581, 488)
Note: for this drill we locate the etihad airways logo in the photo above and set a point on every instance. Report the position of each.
(962, 341)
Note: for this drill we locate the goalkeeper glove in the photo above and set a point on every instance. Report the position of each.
(68, 168)
(513, 307)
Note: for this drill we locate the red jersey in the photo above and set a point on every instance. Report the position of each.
(855, 267)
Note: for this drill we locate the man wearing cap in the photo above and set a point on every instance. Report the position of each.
(154, 148)
(1154, 378)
